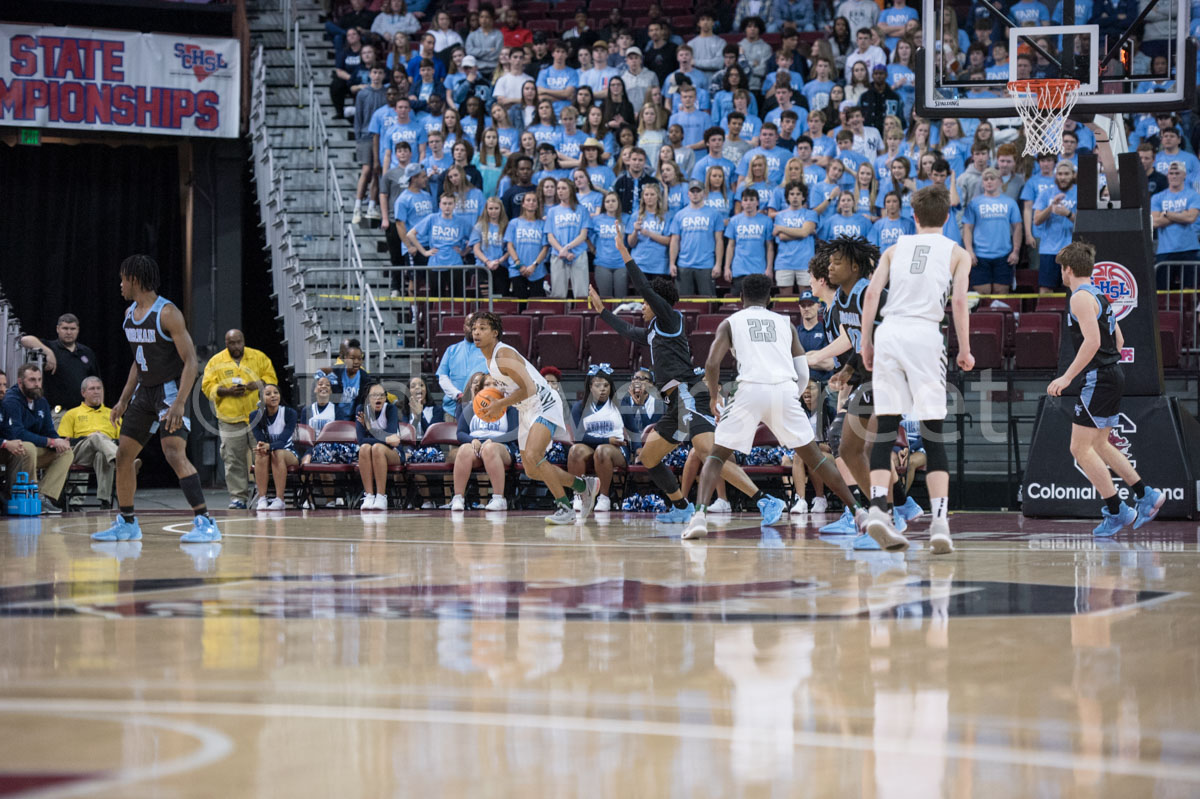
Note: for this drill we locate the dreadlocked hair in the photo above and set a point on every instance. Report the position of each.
(818, 266)
(143, 269)
(858, 251)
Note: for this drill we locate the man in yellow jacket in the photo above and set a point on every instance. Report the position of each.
(93, 437)
(232, 381)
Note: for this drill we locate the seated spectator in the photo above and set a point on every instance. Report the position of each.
(485, 42)
(394, 17)
(810, 398)
(357, 17)
(600, 431)
(316, 415)
(420, 412)
(28, 416)
(347, 71)
(639, 409)
(557, 454)
(378, 426)
(490, 445)
(93, 437)
(274, 450)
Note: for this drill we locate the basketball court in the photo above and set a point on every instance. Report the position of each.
(436, 654)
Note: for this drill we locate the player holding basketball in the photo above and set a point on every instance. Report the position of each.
(541, 414)
(155, 400)
(1098, 341)
(771, 369)
(682, 419)
(909, 364)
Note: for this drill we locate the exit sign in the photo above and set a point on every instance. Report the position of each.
(31, 136)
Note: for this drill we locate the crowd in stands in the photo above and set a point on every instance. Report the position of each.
(720, 146)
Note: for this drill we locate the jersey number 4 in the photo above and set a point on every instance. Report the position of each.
(762, 330)
(140, 357)
(920, 255)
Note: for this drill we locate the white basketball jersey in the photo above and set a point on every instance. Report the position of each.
(536, 402)
(762, 344)
(919, 278)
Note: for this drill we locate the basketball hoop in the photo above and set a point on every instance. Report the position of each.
(1044, 104)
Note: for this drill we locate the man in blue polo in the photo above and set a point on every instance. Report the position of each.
(992, 236)
(776, 156)
(697, 244)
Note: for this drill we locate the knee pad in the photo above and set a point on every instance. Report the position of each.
(935, 447)
(664, 478)
(885, 438)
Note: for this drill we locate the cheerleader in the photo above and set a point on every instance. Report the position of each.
(601, 430)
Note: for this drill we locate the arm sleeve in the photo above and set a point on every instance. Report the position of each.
(662, 309)
(289, 429)
(627, 330)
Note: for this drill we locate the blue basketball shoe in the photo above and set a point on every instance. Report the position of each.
(910, 510)
(204, 530)
(1149, 506)
(1113, 523)
(676, 515)
(772, 509)
(843, 526)
(121, 530)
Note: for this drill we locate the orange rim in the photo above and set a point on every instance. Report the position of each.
(1050, 92)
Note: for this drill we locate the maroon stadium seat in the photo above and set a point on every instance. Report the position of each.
(1038, 336)
(521, 326)
(987, 340)
(1170, 336)
(557, 349)
(609, 346)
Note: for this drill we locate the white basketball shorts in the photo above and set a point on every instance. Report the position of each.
(910, 370)
(777, 405)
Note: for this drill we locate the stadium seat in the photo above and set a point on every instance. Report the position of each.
(502, 307)
(556, 348)
(545, 308)
(515, 341)
(442, 341)
(452, 324)
(609, 346)
(570, 324)
(521, 326)
(531, 11)
(1038, 336)
(340, 475)
(598, 6)
(701, 342)
(709, 322)
(438, 434)
(548, 25)
(987, 340)
(1057, 304)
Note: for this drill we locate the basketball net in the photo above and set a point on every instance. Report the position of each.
(1044, 105)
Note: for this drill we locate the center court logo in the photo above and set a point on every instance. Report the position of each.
(1118, 285)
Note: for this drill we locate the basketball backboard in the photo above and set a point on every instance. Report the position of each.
(1111, 61)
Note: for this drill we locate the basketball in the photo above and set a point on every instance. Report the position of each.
(483, 401)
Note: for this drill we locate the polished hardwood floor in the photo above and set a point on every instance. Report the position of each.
(428, 654)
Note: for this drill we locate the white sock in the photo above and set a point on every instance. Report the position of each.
(940, 507)
(357, 203)
(878, 491)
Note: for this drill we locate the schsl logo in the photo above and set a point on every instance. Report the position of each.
(1118, 285)
(201, 62)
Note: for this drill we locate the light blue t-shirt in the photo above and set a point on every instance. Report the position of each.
(851, 160)
(1055, 232)
(411, 207)
(603, 234)
(546, 134)
(492, 243)
(411, 132)
(557, 79)
(696, 229)
(794, 254)
(765, 191)
(566, 223)
(381, 122)
(528, 238)
(1162, 162)
(649, 254)
(776, 114)
(750, 127)
(471, 206)
(569, 144)
(885, 232)
(701, 168)
(1176, 237)
(750, 235)
(510, 139)
(837, 225)
(813, 174)
(591, 201)
(720, 203)
(694, 124)
(993, 218)
(677, 198)
(448, 236)
(602, 177)
(1083, 12)
(817, 92)
(1030, 12)
(824, 146)
(895, 17)
(777, 159)
(1038, 186)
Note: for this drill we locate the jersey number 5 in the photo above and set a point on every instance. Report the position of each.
(140, 357)
(920, 255)
(762, 329)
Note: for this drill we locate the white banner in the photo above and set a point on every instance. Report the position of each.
(86, 79)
